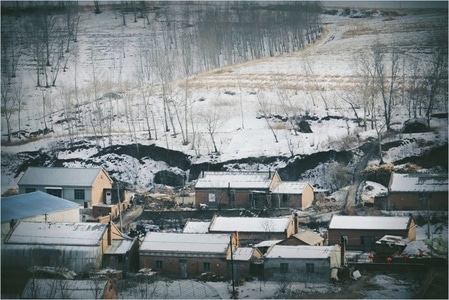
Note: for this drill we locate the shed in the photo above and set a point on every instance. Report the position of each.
(292, 194)
(37, 206)
(301, 263)
(196, 227)
(364, 231)
(243, 259)
(252, 230)
(304, 237)
(418, 191)
(81, 185)
(185, 255)
(235, 189)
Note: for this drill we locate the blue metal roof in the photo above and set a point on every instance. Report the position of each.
(32, 204)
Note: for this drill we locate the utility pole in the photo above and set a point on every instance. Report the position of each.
(119, 206)
(232, 269)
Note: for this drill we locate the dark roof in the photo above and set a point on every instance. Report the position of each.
(43, 176)
(32, 204)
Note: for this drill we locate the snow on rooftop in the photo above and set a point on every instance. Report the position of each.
(119, 247)
(235, 180)
(185, 242)
(418, 182)
(46, 176)
(280, 251)
(57, 233)
(268, 243)
(242, 224)
(242, 254)
(289, 187)
(196, 227)
(309, 237)
(368, 222)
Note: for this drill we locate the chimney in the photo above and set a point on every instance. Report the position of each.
(269, 173)
(295, 219)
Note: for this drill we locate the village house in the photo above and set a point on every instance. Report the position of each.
(235, 189)
(292, 194)
(417, 191)
(304, 238)
(186, 255)
(301, 263)
(363, 231)
(85, 186)
(91, 188)
(77, 246)
(247, 189)
(37, 206)
(243, 259)
(252, 230)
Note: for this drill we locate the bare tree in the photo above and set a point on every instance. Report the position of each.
(265, 111)
(213, 121)
(97, 7)
(435, 78)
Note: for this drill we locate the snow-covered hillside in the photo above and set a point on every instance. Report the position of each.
(240, 110)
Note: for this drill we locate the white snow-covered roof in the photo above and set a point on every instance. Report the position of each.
(418, 182)
(235, 180)
(241, 254)
(57, 177)
(280, 251)
(289, 187)
(309, 237)
(249, 224)
(369, 222)
(120, 246)
(392, 240)
(196, 227)
(57, 233)
(185, 242)
(32, 204)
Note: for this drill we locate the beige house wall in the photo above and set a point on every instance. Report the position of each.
(101, 182)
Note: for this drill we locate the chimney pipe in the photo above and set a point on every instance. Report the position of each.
(109, 231)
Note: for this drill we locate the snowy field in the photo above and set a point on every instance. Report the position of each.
(311, 82)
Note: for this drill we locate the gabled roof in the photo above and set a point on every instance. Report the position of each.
(185, 242)
(43, 176)
(418, 182)
(196, 227)
(280, 251)
(235, 180)
(57, 233)
(249, 224)
(32, 204)
(308, 237)
(119, 246)
(267, 243)
(369, 222)
(289, 187)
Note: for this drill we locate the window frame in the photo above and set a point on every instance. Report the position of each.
(283, 267)
(76, 193)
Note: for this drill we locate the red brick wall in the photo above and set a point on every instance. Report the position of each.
(411, 201)
(170, 265)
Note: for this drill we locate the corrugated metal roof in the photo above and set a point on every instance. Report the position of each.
(57, 233)
(185, 242)
(309, 237)
(243, 224)
(235, 180)
(42, 176)
(418, 182)
(196, 227)
(369, 222)
(289, 187)
(280, 251)
(32, 204)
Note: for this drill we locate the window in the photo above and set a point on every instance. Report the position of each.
(79, 195)
(310, 268)
(284, 267)
(29, 190)
(284, 198)
(206, 266)
(158, 264)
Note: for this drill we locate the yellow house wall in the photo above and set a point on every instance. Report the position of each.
(101, 182)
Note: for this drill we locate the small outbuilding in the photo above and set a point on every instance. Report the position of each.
(305, 238)
(243, 259)
(292, 194)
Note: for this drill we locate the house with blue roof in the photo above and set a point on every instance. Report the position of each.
(37, 206)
